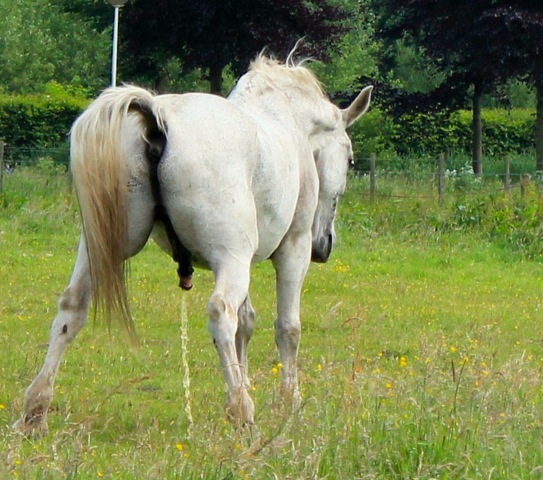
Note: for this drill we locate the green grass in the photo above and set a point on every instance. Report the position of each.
(421, 354)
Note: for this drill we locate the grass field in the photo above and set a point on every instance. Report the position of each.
(421, 355)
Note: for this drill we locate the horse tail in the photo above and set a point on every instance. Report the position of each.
(99, 167)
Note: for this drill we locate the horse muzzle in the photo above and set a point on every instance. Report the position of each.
(321, 249)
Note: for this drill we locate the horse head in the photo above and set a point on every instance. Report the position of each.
(333, 155)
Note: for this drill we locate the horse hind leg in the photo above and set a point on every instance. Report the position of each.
(70, 319)
(223, 308)
(246, 326)
(71, 316)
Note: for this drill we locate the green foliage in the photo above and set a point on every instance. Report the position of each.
(223, 33)
(505, 132)
(355, 56)
(513, 94)
(428, 134)
(512, 221)
(374, 133)
(484, 43)
(472, 206)
(39, 42)
(39, 120)
(413, 70)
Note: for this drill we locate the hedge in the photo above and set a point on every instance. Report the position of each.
(38, 120)
(504, 132)
(45, 120)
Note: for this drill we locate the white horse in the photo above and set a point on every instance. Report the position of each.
(221, 183)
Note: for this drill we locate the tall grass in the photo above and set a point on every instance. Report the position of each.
(421, 351)
(423, 167)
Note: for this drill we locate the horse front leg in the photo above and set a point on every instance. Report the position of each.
(291, 262)
(71, 317)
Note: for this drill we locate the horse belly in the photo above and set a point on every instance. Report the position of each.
(276, 195)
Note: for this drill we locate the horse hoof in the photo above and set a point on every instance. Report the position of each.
(34, 427)
(241, 409)
(291, 397)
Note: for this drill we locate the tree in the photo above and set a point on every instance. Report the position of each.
(522, 28)
(354, 56)
(476, 43)
(212, 34)
(97, 13)
(40, 43)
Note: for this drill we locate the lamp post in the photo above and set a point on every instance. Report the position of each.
(116, 4)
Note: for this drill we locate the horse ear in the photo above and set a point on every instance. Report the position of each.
(358, 108)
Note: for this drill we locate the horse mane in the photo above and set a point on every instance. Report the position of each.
(288, 73)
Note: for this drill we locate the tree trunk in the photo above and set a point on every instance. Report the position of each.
(215, 79)
(477, 139)
(539, 128)
(161, 82)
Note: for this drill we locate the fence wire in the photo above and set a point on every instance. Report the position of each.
(423, 180)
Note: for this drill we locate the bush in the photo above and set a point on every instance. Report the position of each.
(505, 132)
(374, 133)
(515, 222)
(38, 120)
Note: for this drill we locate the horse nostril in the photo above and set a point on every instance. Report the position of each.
(330, 244)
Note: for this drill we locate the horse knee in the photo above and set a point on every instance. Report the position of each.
(287, 333)
(216, 307)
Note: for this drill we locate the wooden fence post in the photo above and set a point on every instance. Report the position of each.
(1, 166)
(372, 176)
(441, 178)
(525, 180)
(507, 178)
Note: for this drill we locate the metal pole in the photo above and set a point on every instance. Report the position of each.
(115, 42)
(1, 166)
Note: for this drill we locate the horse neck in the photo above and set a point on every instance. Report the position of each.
(306, 112)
